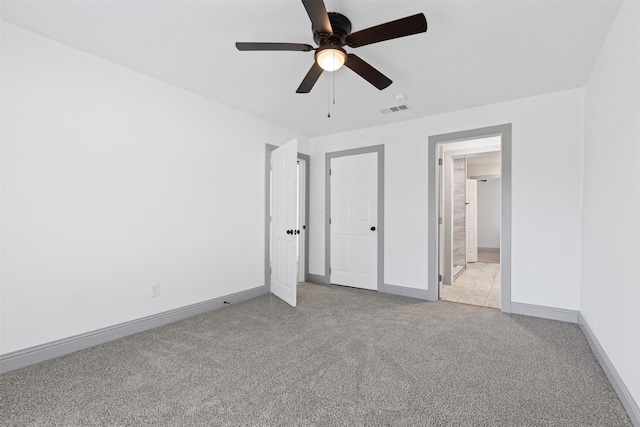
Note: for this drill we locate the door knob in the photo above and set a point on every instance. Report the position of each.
(297, 231)
(373, 229)
(289, 231)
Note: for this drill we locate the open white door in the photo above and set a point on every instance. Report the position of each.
(354, 221)
(472, 220)
(284, 234)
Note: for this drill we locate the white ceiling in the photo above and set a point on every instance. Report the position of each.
(475, 52)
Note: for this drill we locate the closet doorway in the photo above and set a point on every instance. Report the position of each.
(474, 218)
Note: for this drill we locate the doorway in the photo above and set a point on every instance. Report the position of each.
(441, 240)
(303, 217)
(475, 222)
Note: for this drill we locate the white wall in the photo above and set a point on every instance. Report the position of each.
(484, 166)
(489, 214)
(610, 294)
(112, 181)
(547, 132)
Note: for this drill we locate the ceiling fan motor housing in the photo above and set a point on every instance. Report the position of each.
(341, 27)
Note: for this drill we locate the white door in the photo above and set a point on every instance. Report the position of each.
(354, 221)
(284, 204)
(472, 220)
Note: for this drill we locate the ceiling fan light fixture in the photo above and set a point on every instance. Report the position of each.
(331, 31)
(331, 57)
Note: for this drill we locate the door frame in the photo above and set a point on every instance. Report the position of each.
(267, 213)
(379, 149)
(504, 131)
(304, 227)
(469, 205)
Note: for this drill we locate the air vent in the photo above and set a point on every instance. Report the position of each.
(395, 109)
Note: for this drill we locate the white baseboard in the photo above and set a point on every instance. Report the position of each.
(552, 313)
(630, 405)
(40, 353)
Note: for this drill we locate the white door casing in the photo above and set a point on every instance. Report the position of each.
(354, 221)
(472, 220)
(284, 199)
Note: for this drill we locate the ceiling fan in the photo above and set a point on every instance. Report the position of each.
(332, 31)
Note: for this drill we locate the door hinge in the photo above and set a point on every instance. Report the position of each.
(329, 270)
(439, 278)
(439, 220)
(329, 221)
(439, 162)
(269, 270)
(329, 171)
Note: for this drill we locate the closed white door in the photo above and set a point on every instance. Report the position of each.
(472, 220)
(284, 204)
(354, 221)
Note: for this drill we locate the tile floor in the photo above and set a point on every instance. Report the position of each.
(485, 256)
(479, 284)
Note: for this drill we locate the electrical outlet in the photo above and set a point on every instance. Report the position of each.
(155, 290)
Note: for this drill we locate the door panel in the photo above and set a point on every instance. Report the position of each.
(354, 211)
(472, 220)
(284, 199)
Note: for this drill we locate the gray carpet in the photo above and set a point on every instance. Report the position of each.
(344, 357)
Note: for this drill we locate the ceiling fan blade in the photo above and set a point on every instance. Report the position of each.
(310, 79)
(367, 72)
(391, 30)
(318, 15)
(300, 47)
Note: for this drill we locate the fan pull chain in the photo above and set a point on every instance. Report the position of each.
(329, 101)
(329, 97)
(334, 87)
